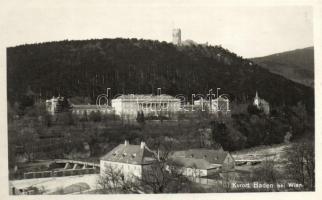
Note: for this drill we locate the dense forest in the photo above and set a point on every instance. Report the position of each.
(87, 68)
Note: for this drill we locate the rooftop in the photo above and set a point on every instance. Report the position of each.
(194, 163)
(209, 155)
(90, 106)
(147, 97)
(130, 154)
(220, 98)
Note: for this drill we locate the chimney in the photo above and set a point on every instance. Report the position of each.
(126, 142)
(142, 145)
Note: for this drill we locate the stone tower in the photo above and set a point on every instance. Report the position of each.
(176, 36)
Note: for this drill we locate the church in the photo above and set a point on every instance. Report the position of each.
(261, 104)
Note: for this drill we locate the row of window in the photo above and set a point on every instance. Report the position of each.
(122, 166)
(88, 111)
(153, 105)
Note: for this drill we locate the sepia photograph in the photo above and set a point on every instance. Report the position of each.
(159, 97)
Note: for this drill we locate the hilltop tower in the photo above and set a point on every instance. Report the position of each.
(176, 36)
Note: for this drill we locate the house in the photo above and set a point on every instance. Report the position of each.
(261, 104)
(203, 162)
(128, 106)
(130, 159)
(56, 105)
(218, 105)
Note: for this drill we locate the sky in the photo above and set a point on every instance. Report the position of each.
(249, 31)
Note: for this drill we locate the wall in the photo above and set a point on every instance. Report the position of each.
(129, 170)
(103, 111)
(193, 172)
(129, 109)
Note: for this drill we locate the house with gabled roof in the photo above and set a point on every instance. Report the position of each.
(129, 159)
(203, 162)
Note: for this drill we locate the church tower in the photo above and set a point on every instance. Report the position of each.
(176, 36)
(256, 100)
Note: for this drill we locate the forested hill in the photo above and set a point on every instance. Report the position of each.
(87, 68)
(296, 65)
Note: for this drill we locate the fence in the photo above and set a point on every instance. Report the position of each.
(60, 173)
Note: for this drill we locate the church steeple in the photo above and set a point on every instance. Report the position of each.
(256, 100)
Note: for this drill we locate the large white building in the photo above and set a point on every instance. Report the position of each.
(130, 159)
(128, 106)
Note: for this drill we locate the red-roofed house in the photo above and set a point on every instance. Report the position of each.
(130, 159)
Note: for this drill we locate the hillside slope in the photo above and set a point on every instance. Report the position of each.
(296, 65)
(87, 68)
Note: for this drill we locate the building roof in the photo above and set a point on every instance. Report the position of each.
(263, 102)
(130, 154)
(219, 99)
(147, 97)
(210, 155)
(193, 163)
(55, 99)
(90, 106)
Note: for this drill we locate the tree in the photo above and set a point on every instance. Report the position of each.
(227, 136)
(28, 138)
(63, 105)
(301, 164)
(140, 117)
(163, 175)
(95, 116)
(113, 181)
(299, 120)
(65, 118)
(267, 173)
(253, 110)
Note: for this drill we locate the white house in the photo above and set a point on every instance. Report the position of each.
(129, 159)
